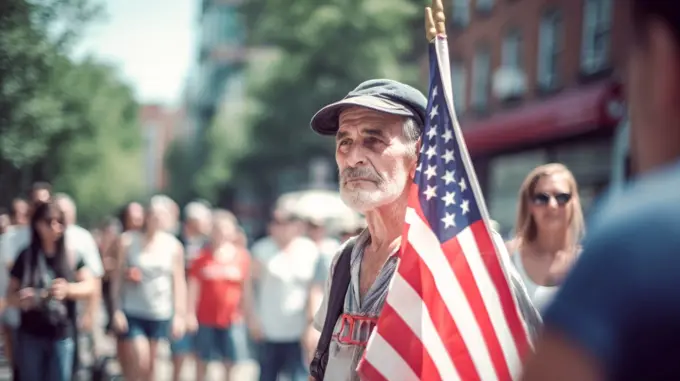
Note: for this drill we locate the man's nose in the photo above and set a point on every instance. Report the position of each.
(355, 156)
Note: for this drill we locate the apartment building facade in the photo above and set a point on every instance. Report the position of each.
(537, 81)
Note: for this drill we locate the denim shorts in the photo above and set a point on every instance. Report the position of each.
(218, 344)
(183, 346)
(151, 329)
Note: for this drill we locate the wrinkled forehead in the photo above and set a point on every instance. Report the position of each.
(369, 122)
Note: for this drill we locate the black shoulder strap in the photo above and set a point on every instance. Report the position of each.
(336, 303)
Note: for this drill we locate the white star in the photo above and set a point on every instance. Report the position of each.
(435, 92)
(434, 112)
(432, 132)
(431, 151)
(431, 171)
(462, 184)
(430, 192)
(449, 220)
(465, 206)
(448, 156)
(448, 177)
(419, 167)
(449, 198)
(447, 135)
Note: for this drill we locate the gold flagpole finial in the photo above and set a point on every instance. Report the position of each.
(435, 20)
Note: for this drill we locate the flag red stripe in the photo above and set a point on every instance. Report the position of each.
(418, 275)
(407, 344)
(367, 371)
(458, 262)
(493, 266)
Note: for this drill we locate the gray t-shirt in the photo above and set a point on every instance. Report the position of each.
(347, 346)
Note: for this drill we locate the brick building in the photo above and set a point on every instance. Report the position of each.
(158, 128)
(537, 81)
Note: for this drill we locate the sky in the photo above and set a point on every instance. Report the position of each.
(151, 41)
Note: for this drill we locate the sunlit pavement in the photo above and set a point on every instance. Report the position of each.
(245, 371)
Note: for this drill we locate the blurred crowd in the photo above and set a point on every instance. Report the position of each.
(162, 273)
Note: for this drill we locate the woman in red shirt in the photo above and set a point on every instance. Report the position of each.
(216, 280)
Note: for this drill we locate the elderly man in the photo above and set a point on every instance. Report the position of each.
(377, 129)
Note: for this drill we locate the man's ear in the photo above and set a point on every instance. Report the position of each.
(412, 172)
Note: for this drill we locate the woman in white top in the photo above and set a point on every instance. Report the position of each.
(549, 227)
(151, 290)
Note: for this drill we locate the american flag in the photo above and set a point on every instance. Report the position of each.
(450, 313)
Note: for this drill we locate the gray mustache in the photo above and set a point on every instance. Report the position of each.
(356, 173)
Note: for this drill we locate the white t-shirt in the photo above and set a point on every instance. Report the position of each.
(283, 287)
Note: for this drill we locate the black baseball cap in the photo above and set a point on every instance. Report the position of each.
(382, 95)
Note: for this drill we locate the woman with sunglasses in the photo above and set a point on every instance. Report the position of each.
(46, 280)
(549, 229)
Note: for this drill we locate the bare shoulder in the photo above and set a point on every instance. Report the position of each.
(512, 245)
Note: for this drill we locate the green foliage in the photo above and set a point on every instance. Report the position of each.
(324, 50)
(71, 123)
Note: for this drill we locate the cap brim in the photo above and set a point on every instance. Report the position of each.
(326, 121)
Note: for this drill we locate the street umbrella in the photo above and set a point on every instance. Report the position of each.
(317, 205)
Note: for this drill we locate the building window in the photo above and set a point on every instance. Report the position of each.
(484, 5)
(458, 79)
(460, 13)
(597, 23)
(512, 50)
(549, 50)
(481, 70)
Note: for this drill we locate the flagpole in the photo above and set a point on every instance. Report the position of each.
(442, 51)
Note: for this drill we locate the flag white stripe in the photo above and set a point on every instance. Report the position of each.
(424, 241)
(387, 361)
(410, 307)
(492, 301)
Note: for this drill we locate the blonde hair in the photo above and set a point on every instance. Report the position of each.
(525, 224)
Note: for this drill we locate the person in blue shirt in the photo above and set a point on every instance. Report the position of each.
(617, 316)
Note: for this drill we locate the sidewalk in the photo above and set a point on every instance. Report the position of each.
(245, 371)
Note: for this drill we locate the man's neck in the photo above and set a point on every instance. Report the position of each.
(385, 225)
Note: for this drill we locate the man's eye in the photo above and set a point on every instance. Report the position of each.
(343, 142)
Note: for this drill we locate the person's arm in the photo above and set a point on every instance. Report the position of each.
(92, 260)
(179, 283)
(84, 286)
(12, 295)
(118, 272)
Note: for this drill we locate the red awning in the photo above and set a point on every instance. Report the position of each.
(571, 113)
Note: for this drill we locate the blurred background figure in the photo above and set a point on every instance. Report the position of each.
(19, 213)
(168, 213)
(193, 237)
(282, 273)
(150, 293)
(15, 239)
(47, 279)
(5, 220)
(83, 243)
(217, 278)
(550, 227)
(317, 232)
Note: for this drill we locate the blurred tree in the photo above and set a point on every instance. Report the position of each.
(70, 123)
(325, 49)
(179, 164)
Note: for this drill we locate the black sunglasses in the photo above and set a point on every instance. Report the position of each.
(544, 198)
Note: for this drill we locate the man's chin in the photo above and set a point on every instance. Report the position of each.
(362, 202)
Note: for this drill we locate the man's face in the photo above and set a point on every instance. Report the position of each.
(653, 90)
(40, 195)
(374, 159)
(21, 210)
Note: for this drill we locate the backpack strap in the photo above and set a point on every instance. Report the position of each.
(336, 304)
